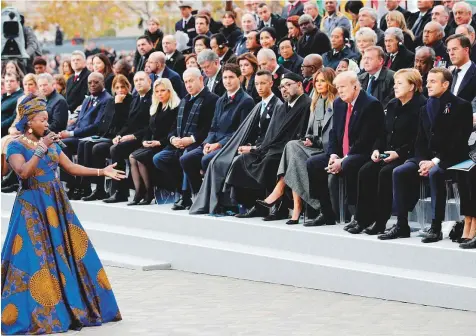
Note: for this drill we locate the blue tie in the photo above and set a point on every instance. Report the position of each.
(371, 83)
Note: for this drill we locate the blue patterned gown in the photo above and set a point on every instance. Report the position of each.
(52, 278)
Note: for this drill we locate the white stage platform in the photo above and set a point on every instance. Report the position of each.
(327, 258)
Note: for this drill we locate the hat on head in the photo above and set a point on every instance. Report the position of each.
(292, 76)
(28, 108)
(183, 3)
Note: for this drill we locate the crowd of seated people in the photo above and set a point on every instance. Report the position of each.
(266, 113)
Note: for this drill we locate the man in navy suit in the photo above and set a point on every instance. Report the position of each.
(231, 109)
(77, 84)
(158, 69)
(267, 61)
(268, 19)
(87, 124)
(358, 120)
(209, 62)
(464, 74)
(187, 23)
(55, 103)
(444, 128)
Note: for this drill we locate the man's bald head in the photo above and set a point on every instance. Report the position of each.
(169, 44)
(95, 83)
(311, 64)
(156, 61)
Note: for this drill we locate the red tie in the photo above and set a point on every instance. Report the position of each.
(345, 141)
(75, 78)
(290, 8)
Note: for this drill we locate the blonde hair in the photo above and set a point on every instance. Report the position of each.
(174, 99)
(400, 19)
(412, 76)
(30, 77)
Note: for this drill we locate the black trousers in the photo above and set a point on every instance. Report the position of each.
(70, 150)
(318, 179)
(120, 153)
(467, 192)
(374, 192)
(94, 155)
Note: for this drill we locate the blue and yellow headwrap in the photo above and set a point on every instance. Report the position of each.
(28, 108)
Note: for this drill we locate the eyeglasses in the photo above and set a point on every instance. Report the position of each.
(304, 24)
(306, 66)
(286, 86)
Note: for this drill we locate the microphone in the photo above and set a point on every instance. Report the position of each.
(59, 142)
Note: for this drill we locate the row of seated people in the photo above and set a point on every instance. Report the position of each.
(241, 149)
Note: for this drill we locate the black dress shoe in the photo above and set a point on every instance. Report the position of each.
(432, 236)
(278, 212)
(11, 188)
(74, 194)
(294, 221)
(116, 198)
(146, 201)
(352, 224)
(182, 204)
(396, 232)
(251, 213)
(357, 229)
(268, 205)
(471, 244)
(95, 195)
(375, 229)
(321, 220)
(135, 201)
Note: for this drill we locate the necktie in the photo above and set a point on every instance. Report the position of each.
(184, 24)
(455, 79)
(75, 78)
(390, 61)
(290, 8)
(263, 108)
(416, 27)
(345, 141)
(371, 83)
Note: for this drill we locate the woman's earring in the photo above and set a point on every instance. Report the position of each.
(30, 131)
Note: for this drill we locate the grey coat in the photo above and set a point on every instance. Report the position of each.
(293, 161)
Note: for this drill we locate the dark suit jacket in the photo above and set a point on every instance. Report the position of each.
(277, 81)
(441, 54)
(189, 29)
(467, 88)
(314, 43)
(218, 87)
(138, 116)
(9, 104)
(177, 63)
(365, 125)
(232, 34)
(413, 17)
(141, 61)
(174, 78)
(298, 10)
(114, 117)
(57, 112)
(76, 91)
(279, 24)
(446, 138)
(260, 127)
(382, 87)
(401, 126)
(294, 63)
(380, 36)
(403, 59)
(229, 57)
(160, 125)
(90, 116)
(331, 60)
(240, 46)
(204, 121)
(228, 116)
(383, 21)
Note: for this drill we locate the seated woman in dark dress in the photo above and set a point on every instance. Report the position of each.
(92, 151)
(102, 65)
(163, 111)
(249, 65)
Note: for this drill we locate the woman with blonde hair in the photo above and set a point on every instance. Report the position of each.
(392, 148)
(163, 111)
(396, 19)
(292, 170)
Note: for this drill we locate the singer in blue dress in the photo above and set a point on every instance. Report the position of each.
(52, 278)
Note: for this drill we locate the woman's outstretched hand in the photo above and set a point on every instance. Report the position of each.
(115, 174)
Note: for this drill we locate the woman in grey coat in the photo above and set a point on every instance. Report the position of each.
(292, 170)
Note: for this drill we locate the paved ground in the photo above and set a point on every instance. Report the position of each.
(174, 303)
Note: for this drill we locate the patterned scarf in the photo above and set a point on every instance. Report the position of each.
(28, 108)
(191, 125)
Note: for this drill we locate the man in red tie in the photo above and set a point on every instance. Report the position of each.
(77, 85)
(357, 122)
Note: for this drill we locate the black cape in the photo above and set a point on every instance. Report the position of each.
(257, 169)
(212, 193)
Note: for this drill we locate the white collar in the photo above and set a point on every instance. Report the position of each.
(169, 56)
(233, 93)
(268, 22)
(160, 73)
(376, 74)
(353, 102)
(275, 69)
(78, 73)
(188, 18)
(465, 66)
(291, 104)
(267, 100)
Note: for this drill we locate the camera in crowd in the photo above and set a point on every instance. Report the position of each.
(13, 38)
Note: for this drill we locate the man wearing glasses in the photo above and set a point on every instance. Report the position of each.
(309, 67)
(313, 40)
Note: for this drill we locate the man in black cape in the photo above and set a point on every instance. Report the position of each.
(212, 198)
(253, 174)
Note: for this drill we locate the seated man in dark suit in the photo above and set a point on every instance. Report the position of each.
(175, 59)
(311, 64)
(219, 45)
(417, 21)
(145, 47)
(77, 84)
(267, 61)
(433, 35)
(187, 23)
(291, 60)
(469, 32)
(9, 100)
(358, 121)
(368, 18)
(339, 39)
(313, 41)
(269, 19)
(231, 109)
(294, 7)
(424, 60)
(399, 57)
(209, 62)
(86, 125)
(55, 103)
(129, 137)
(445, 125)
(159, 69)
(248, 24)
(377, 80)
(193, 123)
(464, 74)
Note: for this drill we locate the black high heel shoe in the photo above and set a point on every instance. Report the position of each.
(295, 221)
(135, 200)
(268, 205)
(147, 200)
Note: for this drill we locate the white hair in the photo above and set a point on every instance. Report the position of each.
(371, 11)
(397, 32)
(348, 76)
(79, 53)
(366, 33)
(466, 6)
(192, 72)
(207, 55)
(267, 53)
(46, 76)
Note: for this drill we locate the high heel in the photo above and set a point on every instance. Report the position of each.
(269, 205)
(135, 200)
(147, 200)
(295, 221)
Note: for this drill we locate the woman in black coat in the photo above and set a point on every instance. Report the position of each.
(249, 66)
(393, 146)
(230, 30)
(114, 118)
(163, 110)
